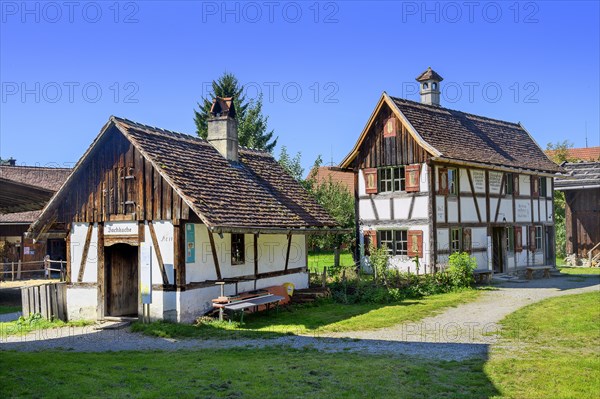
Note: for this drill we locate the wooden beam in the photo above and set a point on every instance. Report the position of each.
(86, 249)
(179, 253)
(68, 254)
(161, 264)
(473, 193)
(287, 254)
(500, 198)
(214, 254)
(101, 273)
(255, 254)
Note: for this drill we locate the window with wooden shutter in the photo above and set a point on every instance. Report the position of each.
(370, 180)
(532, 246)
(467, 242)
(370, 239)
(443, 181)
(518, 239)
(390, 128)
(535, 186)
(415, 243)
(412, 176)
(515, 184)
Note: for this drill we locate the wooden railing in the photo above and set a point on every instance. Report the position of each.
(49, 300)
(16, 269)
(591, 252)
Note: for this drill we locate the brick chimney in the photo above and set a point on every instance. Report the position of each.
(430, 87)
(222, 128)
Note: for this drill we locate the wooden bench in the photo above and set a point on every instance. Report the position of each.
(241, 306)
(481, 275)
(532, 269)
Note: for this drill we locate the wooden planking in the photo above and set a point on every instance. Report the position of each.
(256, 254)
(214, 254)
(161, 264)
(287, 253)
(48, 300)
(101, 294)
(25, 302)
(84, 255)
(179, 254)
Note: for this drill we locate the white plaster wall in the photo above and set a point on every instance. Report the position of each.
(164, 236)
(524, 184)
(365, 209)
(196, 302)
(424, 185)
(482, 209)
(536, 215)
(401, 208)
(505, 210)
(78, 236)
(164, 305)
(82, 303)
(272, 249)
(478, 237)
(549, 211)
(452, 210)
(468, 213)
(383, 208)
(482, 260)
(362, 190)
(405, 263)
(543, 210)
(495, 176)
(523, 208)
(421, 208)
(443, 239)
(464, 185)
(440, 208)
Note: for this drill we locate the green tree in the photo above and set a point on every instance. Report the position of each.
(252, 124)
(560, 151)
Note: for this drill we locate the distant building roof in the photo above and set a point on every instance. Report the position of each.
(580, 175)
(584, 154)
(42, 177)
(20, 217)
(336, 174)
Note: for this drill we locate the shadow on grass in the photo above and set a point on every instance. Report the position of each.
(242, 372)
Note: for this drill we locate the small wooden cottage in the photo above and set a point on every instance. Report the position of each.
(431, 181)
(581, 185)
(24, 191)
(162, 215)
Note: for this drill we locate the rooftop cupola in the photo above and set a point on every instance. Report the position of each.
(222, 128)
(430, 87)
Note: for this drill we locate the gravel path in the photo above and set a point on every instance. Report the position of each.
(456, 334)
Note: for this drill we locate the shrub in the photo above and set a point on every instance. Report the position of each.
(461, 268)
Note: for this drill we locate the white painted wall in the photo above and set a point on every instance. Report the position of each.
(78, 236)
(524, 184)
(82, 303)
(272, 250)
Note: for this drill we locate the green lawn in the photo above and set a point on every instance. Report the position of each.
(551, 349)
(579, 270)
(24, 327)
(326, 317)
(238, 373)
(319, 259)
(9, 309)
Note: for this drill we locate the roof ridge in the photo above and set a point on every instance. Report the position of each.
(34, 167)
(436, 107)
(179, 135)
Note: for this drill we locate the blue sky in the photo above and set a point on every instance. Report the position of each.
(65, 67)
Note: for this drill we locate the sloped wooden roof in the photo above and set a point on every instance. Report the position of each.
(20, 217)
(454, 135)
(254, 193)
(579, 175)
(41, 177)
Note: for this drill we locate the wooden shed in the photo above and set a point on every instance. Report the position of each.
(197, 211)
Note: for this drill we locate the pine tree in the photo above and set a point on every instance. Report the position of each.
(252, 124)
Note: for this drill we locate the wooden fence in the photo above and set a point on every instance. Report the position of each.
(49, 300)
(14, 269)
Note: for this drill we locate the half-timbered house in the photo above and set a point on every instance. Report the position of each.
(431, 181)
(165, 215)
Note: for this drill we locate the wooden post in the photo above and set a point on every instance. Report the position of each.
(47, 267)
(222, 284)
(100, 274)
(19, 269)
(324, 277)
(12, 270)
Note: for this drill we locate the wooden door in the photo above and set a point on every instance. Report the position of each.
(498, 249)
(121, 280)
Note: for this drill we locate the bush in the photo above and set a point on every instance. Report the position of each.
(461, 268)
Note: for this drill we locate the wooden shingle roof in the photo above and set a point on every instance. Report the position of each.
(255, 192)
(462, 136)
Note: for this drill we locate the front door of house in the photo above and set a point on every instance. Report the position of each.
(498, 249)
(121, 280)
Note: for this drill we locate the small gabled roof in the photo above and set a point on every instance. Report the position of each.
(429, 74)
(254, 193)
(579, 175)
(454, 135)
